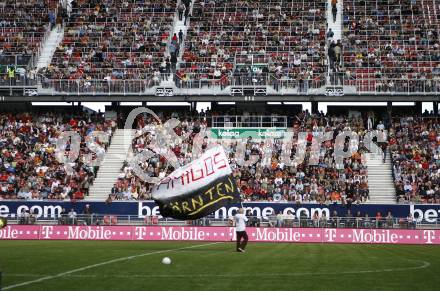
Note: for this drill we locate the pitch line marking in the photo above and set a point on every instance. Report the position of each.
(67, 273)
(424, 265)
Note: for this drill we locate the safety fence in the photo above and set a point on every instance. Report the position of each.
(170, 84)
(269, 221)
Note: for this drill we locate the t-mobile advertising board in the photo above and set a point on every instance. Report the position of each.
(51, 209)
(188, 233)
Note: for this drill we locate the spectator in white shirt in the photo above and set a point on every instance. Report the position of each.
(72, 216)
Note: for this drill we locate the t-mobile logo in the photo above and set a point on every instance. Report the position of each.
(330, 234)
(429, 235)
(47, 231)
(140, 232)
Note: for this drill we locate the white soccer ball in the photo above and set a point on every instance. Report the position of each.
(166, 261)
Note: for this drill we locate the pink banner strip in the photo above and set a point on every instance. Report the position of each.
(188, 233)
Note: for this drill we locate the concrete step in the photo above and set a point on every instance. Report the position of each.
(109, 172)
(381, 182)
(113, 162)
(106, 179)
(384, 190)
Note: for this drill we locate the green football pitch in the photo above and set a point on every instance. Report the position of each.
(88, 265)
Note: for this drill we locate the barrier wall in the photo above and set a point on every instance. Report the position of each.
(137, 209)
(187, 233)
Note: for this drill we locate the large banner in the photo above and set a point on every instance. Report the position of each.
(246, 132)
(51, 209)
(221, 234)
(198, 188)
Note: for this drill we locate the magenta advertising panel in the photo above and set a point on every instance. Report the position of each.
(188, 233)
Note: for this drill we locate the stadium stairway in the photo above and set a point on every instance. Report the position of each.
(49, 46)
(177, 26)
(180, 25)
(337, 25)
(111, 165)
(380, 180)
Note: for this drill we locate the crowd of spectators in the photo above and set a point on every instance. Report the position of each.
(415, 149)
(289, 34)
(391, 45)
(387, 46)
(113, 40)
(304, 183)
(23, 26)
(268, 179)
(29, 168)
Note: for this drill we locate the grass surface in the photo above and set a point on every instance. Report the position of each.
(204, 266)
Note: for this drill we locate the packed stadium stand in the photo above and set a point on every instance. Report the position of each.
(112, 40)
(23, 28)
(415, 149)
(272, 48)
(29, 166)
(391, 46)
(30, 169)
(256, 42)
(268, 179)
(275, 47)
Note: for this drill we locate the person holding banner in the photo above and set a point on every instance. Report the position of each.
(240, 229)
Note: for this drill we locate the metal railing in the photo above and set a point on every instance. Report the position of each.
(249, 121)
(86, 86)
(254, 221)
(16, 60)
(208, 84)
(19, 80)
(182, 84)
(390, 86)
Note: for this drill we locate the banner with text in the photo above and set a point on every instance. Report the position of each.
(246, 132)
(198, 188)
(187, 233)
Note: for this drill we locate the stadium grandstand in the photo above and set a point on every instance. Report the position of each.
(179, 130)
(244, 52)
(30, 170)
(347, 49)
